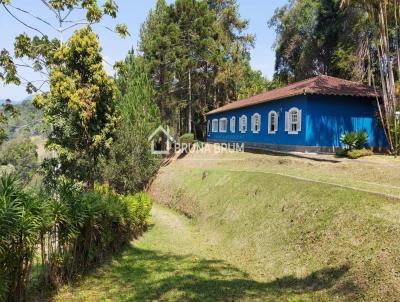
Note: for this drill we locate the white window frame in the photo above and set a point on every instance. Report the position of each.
(223, 119)
(276, 122)
(243, 122)
(232, 124)
(289, 123)
(214, 125)
(208, 127)
(253, 123)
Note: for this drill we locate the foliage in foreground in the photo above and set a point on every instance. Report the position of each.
(68, 233)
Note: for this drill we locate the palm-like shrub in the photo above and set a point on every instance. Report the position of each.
(22, 218)
(70, 230)
(354, 139)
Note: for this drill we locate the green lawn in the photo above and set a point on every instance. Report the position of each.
(171, 263)
(257, 236)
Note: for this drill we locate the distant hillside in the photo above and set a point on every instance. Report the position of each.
(29, 121)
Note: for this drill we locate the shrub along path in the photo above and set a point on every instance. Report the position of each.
(173, 262)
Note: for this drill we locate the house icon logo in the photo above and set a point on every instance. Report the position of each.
(160, 141)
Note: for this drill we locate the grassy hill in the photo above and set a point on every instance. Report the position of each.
(282, 218)
(261, 227)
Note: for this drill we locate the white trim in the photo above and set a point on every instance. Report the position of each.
(243, 122)
(291, 123)
(214, 125)
(208, 127)
(253, 122)
(223, 119)
(276, 117)
(232, 124)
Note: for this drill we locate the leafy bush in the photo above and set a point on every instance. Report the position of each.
(353, 139)
(357, 153)
(74, 229)
(139, 207)
(187, 138)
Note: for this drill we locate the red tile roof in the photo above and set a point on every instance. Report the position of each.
(323, 84)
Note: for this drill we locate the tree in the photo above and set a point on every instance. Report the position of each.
(38, 50)
(256, 83)
(384, 16)
(197, 56)
(131, 164)
(196, 29)
(22, 155)
(318, 37)
(80, 107)
(7, 112)
(158, 37)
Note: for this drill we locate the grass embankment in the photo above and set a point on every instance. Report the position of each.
(276, 227)
(258, 234)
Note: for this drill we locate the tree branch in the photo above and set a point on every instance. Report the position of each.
(22, 22)
(33, 16)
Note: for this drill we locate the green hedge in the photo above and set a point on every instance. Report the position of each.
(357, 153)
(69, 232)
(354, 153)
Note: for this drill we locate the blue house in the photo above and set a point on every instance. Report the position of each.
(310, 115)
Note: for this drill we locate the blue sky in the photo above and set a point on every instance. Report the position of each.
(133, 13)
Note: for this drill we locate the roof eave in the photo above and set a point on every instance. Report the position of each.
(288, 96)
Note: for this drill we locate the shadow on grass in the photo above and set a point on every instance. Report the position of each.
(143, 275)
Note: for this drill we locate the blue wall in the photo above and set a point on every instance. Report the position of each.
(328, 117)
(281, 137)
(324, 120)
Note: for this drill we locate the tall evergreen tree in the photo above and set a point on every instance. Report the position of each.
(131, 164)
(196, 53)
(158, 37)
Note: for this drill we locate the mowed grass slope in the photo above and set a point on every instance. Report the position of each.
(261, 228)
(275, 227)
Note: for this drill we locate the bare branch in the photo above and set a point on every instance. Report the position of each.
(33, 16)
(74, 25)
(22, 22)
(49, 7)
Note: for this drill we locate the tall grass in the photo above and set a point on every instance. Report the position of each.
(69, 231)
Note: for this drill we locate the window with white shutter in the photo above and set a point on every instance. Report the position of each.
(223, 124)
(233, 124)
(256, 123)
(272, 122)
(243, 124)
(293, 121)
(214, 125)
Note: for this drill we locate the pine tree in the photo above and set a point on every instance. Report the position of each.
(158, 37)
(131, 164)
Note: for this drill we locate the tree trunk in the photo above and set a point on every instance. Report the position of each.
(189, 119)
